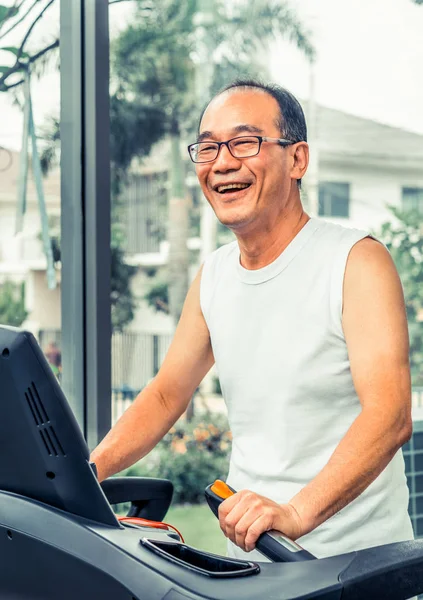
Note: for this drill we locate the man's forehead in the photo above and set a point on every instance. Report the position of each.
(234, 108)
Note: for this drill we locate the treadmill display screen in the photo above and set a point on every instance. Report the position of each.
(43, 453)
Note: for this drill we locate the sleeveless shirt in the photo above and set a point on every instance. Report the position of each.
(282, 362)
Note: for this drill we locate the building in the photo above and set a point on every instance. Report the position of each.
(364, 167)
(21, 254)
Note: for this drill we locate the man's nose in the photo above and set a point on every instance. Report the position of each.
(225, 161)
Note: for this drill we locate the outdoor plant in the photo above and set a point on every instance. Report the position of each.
(403, 236)
(192, 455)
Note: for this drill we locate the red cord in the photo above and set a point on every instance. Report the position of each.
(147, 523)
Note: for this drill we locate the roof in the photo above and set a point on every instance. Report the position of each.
(344, 136)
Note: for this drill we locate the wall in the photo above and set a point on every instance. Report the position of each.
(44, 305)
(371, 191)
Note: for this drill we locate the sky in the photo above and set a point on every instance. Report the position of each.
(369, 62)
(369, 59)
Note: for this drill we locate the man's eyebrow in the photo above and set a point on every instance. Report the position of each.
(204, 136)
(238, 129)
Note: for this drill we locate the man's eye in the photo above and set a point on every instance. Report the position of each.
(206, 149)
(245, 143)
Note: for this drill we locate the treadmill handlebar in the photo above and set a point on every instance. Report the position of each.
(150, 497)
(273, 544)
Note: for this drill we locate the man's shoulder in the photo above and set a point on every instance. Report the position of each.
(369, 253)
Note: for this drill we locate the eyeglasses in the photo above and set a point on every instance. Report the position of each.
(239, 147)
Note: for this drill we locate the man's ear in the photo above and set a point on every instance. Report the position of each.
(300, 154)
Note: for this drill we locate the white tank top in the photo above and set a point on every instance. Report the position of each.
(283, 367)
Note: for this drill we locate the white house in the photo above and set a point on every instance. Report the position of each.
(364, 167)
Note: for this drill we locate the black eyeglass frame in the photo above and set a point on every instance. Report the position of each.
(281, 141)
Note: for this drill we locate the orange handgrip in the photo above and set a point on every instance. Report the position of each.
(221, 489)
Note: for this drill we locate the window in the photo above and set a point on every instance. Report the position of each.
(30, 202)
(334, 199)
(412, 199)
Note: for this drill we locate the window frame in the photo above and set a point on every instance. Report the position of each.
(85, 213)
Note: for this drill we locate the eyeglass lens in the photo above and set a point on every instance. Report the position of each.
(239, 147)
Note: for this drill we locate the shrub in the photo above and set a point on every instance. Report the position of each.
(192, 455)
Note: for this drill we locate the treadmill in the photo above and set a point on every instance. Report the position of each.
(60, 539)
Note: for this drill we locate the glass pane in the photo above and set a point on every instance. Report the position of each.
(334, 199)
(340, 199)
(30, 175)
(418, 462)
(412, 199)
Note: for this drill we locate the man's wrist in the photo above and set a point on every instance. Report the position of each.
(303, 517)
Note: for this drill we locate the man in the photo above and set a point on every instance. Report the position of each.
(306, 323)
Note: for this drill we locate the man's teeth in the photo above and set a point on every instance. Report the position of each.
(232, 186)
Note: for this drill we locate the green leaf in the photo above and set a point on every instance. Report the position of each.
(7, 12)
(15, 51)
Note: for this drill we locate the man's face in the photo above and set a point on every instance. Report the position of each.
(268, 174)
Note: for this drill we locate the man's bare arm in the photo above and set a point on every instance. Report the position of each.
(376, 333)
(165, 398)
(375, 328)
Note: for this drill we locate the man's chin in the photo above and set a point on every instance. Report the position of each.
(235, 223)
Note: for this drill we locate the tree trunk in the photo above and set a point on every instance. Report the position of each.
(178, 231)
(178, 225)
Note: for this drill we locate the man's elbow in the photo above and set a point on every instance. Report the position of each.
(405, 429)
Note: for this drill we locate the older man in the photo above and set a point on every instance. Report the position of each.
(306, 323)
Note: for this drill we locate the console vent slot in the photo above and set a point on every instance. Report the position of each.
(48, 435)
(51, 442)
(35, 404)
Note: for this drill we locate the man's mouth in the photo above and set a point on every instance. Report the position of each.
(231, 187)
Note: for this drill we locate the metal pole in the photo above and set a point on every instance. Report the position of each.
(72, 245)
(312, 178)
(85, 176)
(98, 329)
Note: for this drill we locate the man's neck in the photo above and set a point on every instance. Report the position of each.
(260, 249)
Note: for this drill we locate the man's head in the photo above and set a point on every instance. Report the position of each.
(253, 182)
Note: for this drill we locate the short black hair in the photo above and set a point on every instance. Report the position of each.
(291, 120)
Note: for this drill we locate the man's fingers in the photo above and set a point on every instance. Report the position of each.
(255, 530)
(246, 515)
(236, 520)
(227, 505)
(230, 512)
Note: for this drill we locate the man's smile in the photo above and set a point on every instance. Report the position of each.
(231, 190)
(223, 189)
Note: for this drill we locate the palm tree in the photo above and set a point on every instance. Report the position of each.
(177, 53)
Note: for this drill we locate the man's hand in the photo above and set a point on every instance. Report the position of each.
(244, 516)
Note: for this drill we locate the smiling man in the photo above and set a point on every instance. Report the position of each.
(306, 323)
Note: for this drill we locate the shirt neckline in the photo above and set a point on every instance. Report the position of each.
(256, 276)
